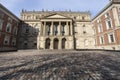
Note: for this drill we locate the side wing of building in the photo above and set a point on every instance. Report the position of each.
(107, 27)
(9, 25)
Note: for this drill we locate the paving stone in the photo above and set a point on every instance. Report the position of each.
(60, 65)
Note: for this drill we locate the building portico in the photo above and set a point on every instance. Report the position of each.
(56, 33)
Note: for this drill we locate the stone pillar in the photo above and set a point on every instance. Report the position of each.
(38, 44)
(59, 44)
(41, 30)
(116, 18)
(71, 28)
(51, 44)
(67, 28)
(44, 29)
(51, 29)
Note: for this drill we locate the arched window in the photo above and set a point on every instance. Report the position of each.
(8, 27)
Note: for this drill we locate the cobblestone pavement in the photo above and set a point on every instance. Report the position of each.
(60, 65)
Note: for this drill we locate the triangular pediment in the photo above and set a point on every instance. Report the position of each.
(56, 16)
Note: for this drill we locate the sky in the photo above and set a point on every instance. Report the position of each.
(16, 6)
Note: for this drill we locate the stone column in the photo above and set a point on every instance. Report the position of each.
(44, 29)
(51, 44)
(67, 28)
(71, 28)
(59, 44)
(116, 18)
(51, 29)
(41, 30)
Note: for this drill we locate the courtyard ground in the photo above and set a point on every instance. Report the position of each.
(59, 65)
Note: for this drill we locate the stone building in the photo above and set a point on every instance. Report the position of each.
(106, 25)
(61, 29)
(56, 30)
(8, 29)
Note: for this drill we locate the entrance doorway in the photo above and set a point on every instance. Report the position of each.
(56, 43)
(63, 43)
(47, 43)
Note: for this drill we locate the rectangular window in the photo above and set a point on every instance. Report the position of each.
(84, 29)
(101, 39)
(6, 40)
(111, 38)
(109, 24)
(27, 30)
(48, 30)
(55, 30)
(1, 24)
(0, 34)
(28, 17)
(100, 28)
(63, 30)
(94, 31)
(14, 41)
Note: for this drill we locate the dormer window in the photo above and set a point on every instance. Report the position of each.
(8, 27)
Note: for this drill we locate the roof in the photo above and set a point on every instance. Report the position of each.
(107, 6)
(4, 8)
(67, 12)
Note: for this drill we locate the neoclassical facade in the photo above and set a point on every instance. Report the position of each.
(61, 29)
(56, 30)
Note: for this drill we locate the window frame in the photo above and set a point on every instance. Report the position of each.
(13, 40)
(107, 25)
(109, 38)
(1, 24)
(100, 28)
(7, 38)
(101, 38)
(8, 26)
